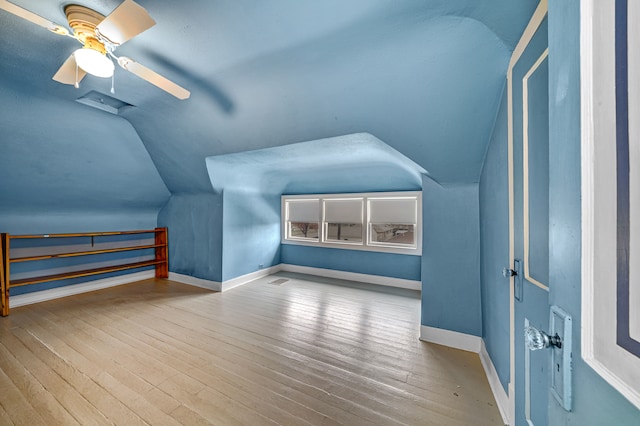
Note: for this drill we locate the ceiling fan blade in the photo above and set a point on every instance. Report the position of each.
(32, 17)
(67, 72)
(125, 22)
(153, 78)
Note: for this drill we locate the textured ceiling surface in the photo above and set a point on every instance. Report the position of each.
(352, 163)
(425, 77)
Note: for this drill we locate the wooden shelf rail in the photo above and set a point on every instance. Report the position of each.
(160, 261)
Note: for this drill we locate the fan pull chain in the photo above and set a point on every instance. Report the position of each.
(76, 85)
(113, 76)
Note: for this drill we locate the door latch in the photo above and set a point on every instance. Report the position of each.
(517, 282)
(508, 272)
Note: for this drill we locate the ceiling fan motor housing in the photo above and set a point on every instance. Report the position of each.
(83, 21)
(100, 36)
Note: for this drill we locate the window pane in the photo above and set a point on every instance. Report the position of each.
(393, 210)
(345, 232)
(343, 210)
(303, 230)
(392, 234)
(303, 210)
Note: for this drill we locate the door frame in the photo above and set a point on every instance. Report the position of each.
(533, 25)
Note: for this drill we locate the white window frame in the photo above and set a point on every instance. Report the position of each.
(358, 218)
(366, 244)
(286, 224)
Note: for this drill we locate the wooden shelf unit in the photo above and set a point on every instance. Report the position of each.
(161, 260)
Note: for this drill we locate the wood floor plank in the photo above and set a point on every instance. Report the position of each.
(363, 391)
(18, 407)
(42, 401)
(257, 337)
(364, 411)
(171, 345)
(311, 351)
(4, 417)
(159, 318)
(113, 410)
(73, 401)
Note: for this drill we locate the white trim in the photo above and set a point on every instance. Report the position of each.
(529, 32)
(598, 349)
(365, 244)
(500, 395)
(196, 282)
(512, 308)
(70, 290)
(587, 180)
(353, 276)
(633, 69)
(244, 279)
(525, 168)
(452, 339)
(224, 285)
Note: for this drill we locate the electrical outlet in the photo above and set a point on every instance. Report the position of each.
(560, 324)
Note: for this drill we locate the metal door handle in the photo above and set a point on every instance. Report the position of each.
(508, 272)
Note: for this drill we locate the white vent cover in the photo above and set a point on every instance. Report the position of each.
(103, 102)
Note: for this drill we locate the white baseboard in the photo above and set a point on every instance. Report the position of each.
(70, 290)
(55, 293)
(353, 276)
(500, 395)
(321, 272)
(224, 285)
(244, 279)
(197, 282)
(453, 339)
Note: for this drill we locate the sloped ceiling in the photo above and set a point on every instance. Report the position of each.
(425, 77)
(352, 163)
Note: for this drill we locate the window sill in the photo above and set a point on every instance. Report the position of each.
(360, 247)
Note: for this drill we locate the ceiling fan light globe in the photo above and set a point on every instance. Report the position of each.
(94, 62)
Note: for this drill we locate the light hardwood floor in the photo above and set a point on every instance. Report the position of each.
(306, 351)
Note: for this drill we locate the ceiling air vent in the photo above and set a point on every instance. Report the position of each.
(103, 102)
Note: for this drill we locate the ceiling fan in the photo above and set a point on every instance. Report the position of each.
(100, 36)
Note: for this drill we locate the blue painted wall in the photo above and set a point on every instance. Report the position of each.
(26, 221)
(251, 232)
(65, 167)
(195, 234)
(494, 246)
(253, 181)
(451, 257)
(595, 402)
(26, 247)
(363, 262)
(71, 162)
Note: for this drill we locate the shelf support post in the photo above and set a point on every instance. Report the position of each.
(4, 274)
(162, 253)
